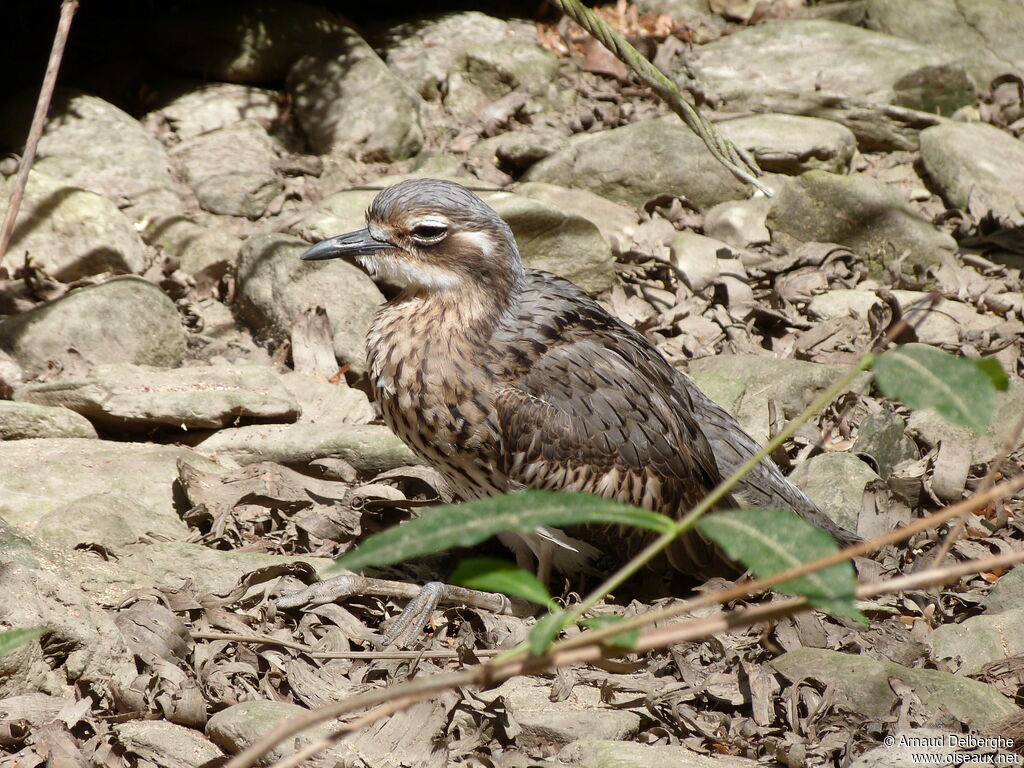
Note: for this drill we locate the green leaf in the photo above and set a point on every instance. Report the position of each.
(16, 638)
(769, 541)
(545, 631)
(994, 370)
(463, 525)
(961, 390)
(627, 639)
(491, 574)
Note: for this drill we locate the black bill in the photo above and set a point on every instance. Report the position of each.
(346, 246)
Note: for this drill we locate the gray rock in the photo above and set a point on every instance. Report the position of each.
(205, 254)
(251, 43)
(843, 11)
(617, 223)
(368, 448)
(928, 746)
(882, 436)
(929, 428)
(516, 151)
(23, 421)
(742, 384)
(976, 641)
(636, 162)
(165, 744)
(483, 73)
(77, 467)
(979, 169)
(125, 320)
(215, 105)
(109, 520)
(601, 753)
(197, 397)
(678, 9)
(696, 14)
(862, 685)
(350, 103)
(792, 144)
(843, 302)
(859, 212)
(321, 402)
(37, 709)
(174, 564)
(231, 169)
(556, 241)
(543, 721)
(11, 374)
(1008, 592)
(696, 258)
(835, 482)
(781, 68)
(70, 232)
(421, 52)
(942, 327)
(40, 587)
(983, 35)
(92, 144)
(739, 223)
(275, 286)
(336, 214)
(235, 728)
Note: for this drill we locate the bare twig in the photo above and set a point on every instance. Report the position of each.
(35, 132)
(689, 631)
(738, 162)
(990, 477)
(312, 652)
(742, 590)
(587, 646)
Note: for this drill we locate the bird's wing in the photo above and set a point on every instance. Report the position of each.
(765, 485)
(598, 413)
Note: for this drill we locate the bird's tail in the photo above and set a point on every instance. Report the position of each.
(765, 485)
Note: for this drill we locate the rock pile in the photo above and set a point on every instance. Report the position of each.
(183, 424)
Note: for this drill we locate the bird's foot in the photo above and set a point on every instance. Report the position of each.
(409, 624)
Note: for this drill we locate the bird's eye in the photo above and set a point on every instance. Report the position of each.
(429, 233)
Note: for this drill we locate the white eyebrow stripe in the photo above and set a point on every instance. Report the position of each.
(431, 221)
(482, 240)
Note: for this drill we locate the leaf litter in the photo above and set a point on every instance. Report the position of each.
(715, 697)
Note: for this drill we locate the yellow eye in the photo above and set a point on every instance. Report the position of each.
(429, 233)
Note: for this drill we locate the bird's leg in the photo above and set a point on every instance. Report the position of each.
(545, 560)
(422, 601)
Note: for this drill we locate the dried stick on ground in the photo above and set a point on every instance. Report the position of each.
(588, 647)
(67, 11)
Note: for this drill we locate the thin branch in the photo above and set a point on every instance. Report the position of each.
(395, 698)
(747, 588)
(719, 492)
(738, 162)
(35, 132)
(312, 652)
(920, 309)
(990, 477)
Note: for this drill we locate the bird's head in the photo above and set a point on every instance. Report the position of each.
(430, 235)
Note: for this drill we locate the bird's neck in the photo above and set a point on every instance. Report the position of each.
(469, 310)
(424, 327)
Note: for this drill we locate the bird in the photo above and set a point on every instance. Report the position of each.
(505, 378)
